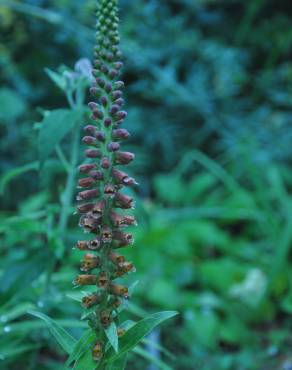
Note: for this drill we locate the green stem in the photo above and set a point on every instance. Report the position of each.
(62, 158)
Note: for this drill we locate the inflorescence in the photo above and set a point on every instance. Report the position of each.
(102, 181)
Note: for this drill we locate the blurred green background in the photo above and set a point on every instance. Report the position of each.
(209, 96)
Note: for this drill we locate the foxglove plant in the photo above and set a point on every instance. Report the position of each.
(101, 205)
(101, 183)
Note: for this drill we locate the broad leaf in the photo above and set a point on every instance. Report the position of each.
(53, 128)
(138, 331)
(12, 105)
(65, 340)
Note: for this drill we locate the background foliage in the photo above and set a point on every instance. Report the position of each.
(209, 98)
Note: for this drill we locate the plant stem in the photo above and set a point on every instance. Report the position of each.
(62, 158)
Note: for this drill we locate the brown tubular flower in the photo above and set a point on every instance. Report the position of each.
(102, 181)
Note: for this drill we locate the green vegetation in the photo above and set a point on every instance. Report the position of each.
(209, 101)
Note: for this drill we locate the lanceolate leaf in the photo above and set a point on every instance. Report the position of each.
(119, 364)
(81, 346)
(13, 350)
(57, 78)
(156, 361)
(85, 362)
(111, 333)
(65, 340)
(138, 331)
(54, 127)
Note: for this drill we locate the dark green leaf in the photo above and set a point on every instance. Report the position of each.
(81, 346)
(57, 78)
(10, 175)
(138, 331)
(16, 350)
(111, 333)
(85, 362)
(66, 341)
(54, 127)
(12, 105)
(119, 364)
(156, 361)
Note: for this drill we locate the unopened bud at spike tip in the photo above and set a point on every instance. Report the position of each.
(117, 94)
(124, 157)
(90, 129)
(113, 146)
(120, 102)
(121, 115)
(87, 194)
(100, 136)
(108, 87)
(84, 208)
(121, 133)
(86, 182)
(103, 101)
(105, 163)
(96, 92)
(89, 140)
(114, 109)
(93, 153)
(86, 168)
(107, 122)
(96, 175)
(119, 85)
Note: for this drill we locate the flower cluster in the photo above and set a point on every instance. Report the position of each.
(102, 181)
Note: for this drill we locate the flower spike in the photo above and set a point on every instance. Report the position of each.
(102, 181)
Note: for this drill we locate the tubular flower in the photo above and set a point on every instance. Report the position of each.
(100, 196)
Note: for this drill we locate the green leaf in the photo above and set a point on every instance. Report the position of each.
(87, 313)
(57, 78)
(85, 362)
(111, 333)
(81, 346)
(119, 364)
(138, 331)
(28, 325)
(12, 105)
(53, 128)
(65, 340)
(156, 361)
(15, 350)
(13, 313)
(159, 348)
(76, 296)
(10, 175)
(132, 287)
